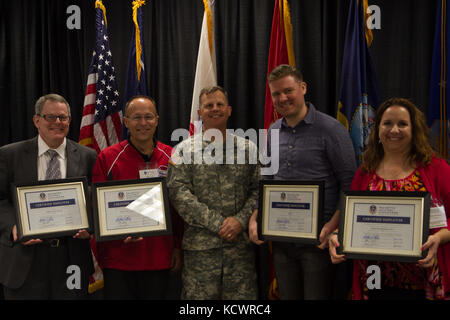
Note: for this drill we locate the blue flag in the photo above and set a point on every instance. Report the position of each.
(135, 83)
(359, 90)
(438, 112)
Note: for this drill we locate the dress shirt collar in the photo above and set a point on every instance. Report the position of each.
(43, 147)
(308, 119)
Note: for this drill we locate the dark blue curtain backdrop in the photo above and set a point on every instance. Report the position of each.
(39, 54)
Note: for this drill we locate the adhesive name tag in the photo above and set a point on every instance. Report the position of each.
(437, 217)
(148, 173)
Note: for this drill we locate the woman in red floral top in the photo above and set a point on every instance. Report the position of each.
(400, 158)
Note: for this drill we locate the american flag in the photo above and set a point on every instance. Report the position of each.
(101, 125)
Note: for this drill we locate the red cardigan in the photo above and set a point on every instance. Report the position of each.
(122, 161)
(436, 178)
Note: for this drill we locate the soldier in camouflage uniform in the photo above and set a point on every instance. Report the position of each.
(216, 201)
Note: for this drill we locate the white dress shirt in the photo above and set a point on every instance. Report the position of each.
(44, 158)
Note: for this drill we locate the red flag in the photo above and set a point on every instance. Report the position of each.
(280, 52)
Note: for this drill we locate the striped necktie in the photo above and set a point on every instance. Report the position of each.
(53, 169)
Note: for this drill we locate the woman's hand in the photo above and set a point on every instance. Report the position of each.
(432, 245)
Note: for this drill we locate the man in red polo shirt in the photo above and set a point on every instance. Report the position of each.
(137, 268)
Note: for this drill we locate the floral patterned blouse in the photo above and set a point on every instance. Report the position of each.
(396, 274)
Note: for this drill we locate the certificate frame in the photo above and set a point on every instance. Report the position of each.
(105, 230)
(382, 225)
(269, 226)
(51, 194)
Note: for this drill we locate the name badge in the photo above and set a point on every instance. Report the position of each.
(437, 217)
(148, 173)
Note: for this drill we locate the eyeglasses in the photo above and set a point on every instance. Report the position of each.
(52, 117)
(147, 118)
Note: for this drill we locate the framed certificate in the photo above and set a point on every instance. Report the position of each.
(136, 208)
(51, 208)
(290, 210)
(384, 225)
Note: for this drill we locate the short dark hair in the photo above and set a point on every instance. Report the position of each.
(284, 70)
(212, 89)
(143, 97)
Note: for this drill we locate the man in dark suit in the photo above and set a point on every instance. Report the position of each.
(37, 268)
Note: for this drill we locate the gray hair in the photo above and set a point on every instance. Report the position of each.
(52, 97)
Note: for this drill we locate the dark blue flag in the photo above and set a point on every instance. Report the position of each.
(438, 112)
(135, 83)
(359, 90)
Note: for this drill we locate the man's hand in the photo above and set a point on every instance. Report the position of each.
(327, 229)
(26, 243)
(82, 234)
(14, 233)
(230, 229)
(132, 240)
(253, 228)
(177, 260)
(333, 244)
(323, 237)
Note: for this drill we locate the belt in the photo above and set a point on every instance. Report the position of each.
(54, 243)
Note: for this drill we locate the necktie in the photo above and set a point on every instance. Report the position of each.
(53, 169)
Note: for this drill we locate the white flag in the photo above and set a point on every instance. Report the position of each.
(205, 73)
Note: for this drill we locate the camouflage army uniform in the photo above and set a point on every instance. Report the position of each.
(204, 195)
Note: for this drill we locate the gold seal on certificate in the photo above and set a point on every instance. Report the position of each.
(51, 208)
(137, 208)
(384, 225)
(290, 210)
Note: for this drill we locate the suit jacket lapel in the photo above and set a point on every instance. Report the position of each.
(73, 159)
(29, 168)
